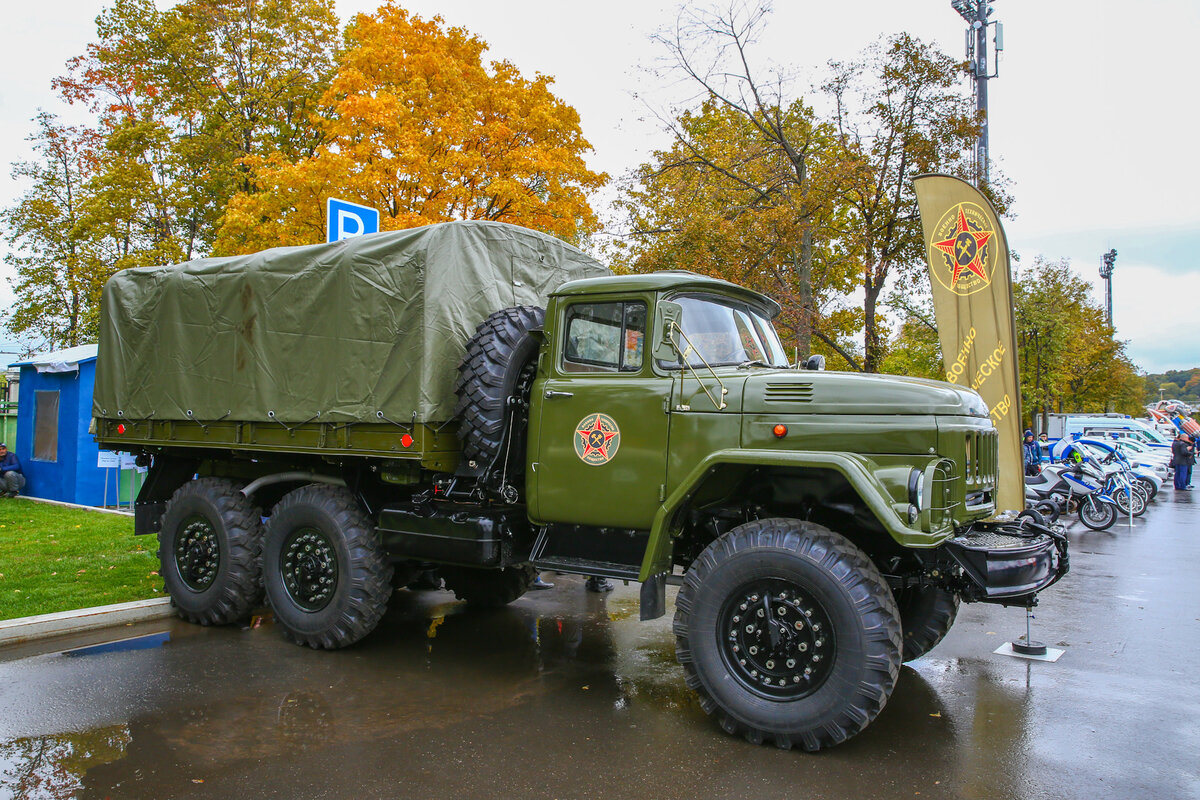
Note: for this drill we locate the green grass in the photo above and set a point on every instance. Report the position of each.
(58, 559)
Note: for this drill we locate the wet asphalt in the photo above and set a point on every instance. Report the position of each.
(565, 694)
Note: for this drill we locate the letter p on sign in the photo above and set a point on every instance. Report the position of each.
(346, 219)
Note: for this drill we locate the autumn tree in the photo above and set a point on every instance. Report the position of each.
(900, 112)
(58, 270)
(417, 125)
(750, 163)
(184, 97)
(726, 201)
(1069, 359)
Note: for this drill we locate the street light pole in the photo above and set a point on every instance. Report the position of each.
(976, 13)
(1106, 271)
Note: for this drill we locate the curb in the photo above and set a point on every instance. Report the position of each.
(25, 629)
(75, 505)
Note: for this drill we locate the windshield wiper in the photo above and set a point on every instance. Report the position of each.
(755, 363)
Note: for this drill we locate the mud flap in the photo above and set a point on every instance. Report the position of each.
(653, 599)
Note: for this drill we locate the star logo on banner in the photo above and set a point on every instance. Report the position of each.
(597, 438)
(963, 243)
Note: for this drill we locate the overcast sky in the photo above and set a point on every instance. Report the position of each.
(1091, 119)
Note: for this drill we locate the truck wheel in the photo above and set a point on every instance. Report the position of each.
(489, 588)
(496, 355)
(926, 614)
(208, 551)
(326, 574)
(788, 633)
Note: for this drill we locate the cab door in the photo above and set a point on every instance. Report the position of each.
(599, 419)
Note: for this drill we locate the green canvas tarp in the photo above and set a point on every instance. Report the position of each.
(365, 329)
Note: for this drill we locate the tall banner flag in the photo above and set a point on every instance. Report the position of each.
(973, 303)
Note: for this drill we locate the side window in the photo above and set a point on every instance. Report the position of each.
(604, 337)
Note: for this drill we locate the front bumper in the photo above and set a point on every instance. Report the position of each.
(1008, 563)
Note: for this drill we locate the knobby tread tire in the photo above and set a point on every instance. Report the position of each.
(364, 572)
(488, 376)
(237, 522)
(489, 588)
(926, 615)
(793, 547)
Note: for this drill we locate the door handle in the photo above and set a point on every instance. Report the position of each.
(550, 394)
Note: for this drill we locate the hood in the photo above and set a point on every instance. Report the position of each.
(818, 392)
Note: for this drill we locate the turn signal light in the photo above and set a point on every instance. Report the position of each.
(406, 440)
(780, 431)
(120, 427)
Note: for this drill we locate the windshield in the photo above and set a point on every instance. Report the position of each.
(720, 332)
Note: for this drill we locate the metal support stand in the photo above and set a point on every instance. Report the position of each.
(1028, 647)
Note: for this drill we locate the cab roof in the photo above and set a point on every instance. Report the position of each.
(666, 281)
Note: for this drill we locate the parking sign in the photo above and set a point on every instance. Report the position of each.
(347, 219)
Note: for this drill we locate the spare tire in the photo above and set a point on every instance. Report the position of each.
(498, 355)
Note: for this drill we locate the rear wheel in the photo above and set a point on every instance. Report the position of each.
(788, 633)
(208, 550)
(926, 614)
(327, 577)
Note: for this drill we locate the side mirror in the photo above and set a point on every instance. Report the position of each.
(667, 317)
(815, 362)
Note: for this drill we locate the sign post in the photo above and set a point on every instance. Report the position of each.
(345, 219)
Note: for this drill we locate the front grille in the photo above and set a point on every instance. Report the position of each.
(980, 465)
(788, 393)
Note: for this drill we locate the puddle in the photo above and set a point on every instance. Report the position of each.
(147, 642)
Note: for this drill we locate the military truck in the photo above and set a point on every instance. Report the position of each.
(322, 423)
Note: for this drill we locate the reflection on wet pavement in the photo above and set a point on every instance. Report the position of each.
(567, 694)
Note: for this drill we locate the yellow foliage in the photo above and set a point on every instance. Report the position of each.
(415, 125)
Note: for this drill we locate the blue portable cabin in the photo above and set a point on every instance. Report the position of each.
(57, 452)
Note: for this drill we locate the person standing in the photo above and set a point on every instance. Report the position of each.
(1183, 456)
(1033, 454)
(11, 472)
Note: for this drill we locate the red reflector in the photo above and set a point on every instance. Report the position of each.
(780, 431)
(120, 427)
(406, 440)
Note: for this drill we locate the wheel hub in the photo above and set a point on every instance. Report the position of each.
(777, 641)
(308, 564)
(197, 554)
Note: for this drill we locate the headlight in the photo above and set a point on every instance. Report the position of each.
(916, 488)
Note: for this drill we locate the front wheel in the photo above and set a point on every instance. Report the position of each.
(326, 574)
(1127, 499)
(1149, 486)
(788, 633)
(1097, 515)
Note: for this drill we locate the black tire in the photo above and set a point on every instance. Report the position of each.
(326, 574)
(208, 552)
(1049, 511)
(1033, 515)
(926, 615)
(837, 660)
(1125, 498)
(489, 374)
(1097, 515)
(1148, 485)
(489, 588)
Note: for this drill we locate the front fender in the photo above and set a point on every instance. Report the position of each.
(853, 468)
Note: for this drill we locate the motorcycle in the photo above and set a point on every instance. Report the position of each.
(1076, 487)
